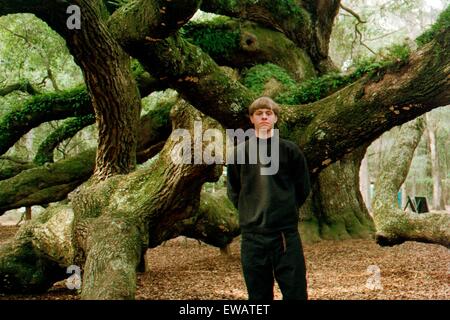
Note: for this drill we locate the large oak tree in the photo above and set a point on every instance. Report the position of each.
(119, 212)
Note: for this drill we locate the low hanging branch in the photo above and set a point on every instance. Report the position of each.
(56, 180)
(387, 98)
(155, 128)
(394, 226)
(56, 106)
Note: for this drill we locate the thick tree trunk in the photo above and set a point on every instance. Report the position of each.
(34, 259)
(343, 214)
(114, 221)
(337, 205)
(394, 226)
(113, 92)
(216, 221)
(146, 205)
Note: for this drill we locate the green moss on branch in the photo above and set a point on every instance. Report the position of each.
(67, 130)
(256, 77)
(48, 183)
(217, 37)
(442, 23)
(40, 109)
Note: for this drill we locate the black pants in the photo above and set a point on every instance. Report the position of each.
(279, 256)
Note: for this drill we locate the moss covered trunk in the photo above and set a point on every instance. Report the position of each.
(25, 184)
(128, 214)
(336, 203)
(215, 222)
(117, 217)
(394, 226)
(113, 91)
(115, 220)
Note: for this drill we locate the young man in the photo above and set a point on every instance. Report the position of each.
(268, 208)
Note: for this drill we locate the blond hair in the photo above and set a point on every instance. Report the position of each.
(264, 103)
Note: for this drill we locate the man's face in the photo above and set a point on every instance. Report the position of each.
(263, 119)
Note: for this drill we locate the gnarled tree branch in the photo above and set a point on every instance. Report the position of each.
(24, 86)
(307, 23)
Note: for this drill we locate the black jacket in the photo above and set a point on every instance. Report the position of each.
(269, 203)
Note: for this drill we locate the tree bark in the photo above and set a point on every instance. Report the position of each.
(336, 203)
(394, 226)
(323, 129)
(244, 44)
(113, 92)
(137, 211)
(438, 200)
(216, 221)
(145, 20)
(307, 23)
(140, 211)
(45, 184)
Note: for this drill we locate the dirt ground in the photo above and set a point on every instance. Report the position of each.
(184, 269)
